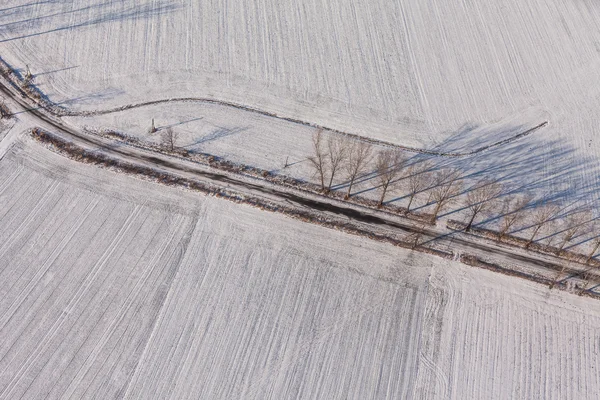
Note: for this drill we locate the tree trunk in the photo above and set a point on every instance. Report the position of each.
(330, 181)
(384, 189)
(468, 228)
(412, 196)
(415, 243)
(562, 245)
(438, 207)
(349, 188)
(322, 180)
(502, 233)
(532, 237)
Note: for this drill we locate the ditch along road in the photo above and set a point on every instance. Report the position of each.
(525, 263)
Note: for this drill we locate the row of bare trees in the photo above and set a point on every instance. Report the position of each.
(339, 157)
(338, 154)
(353, 159)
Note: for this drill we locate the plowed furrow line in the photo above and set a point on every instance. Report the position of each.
(142, 283)
(70, 307)
(122, 313)
(49, 261)
(31, 217)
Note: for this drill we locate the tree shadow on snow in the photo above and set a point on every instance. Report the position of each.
(217, 134)
(551, 169)
(58, 16)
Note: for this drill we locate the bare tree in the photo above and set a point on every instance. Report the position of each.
(337, 154)
(419, 179)
(574, 223)
(543, 214)
(447, 186)
(389, 163)
(559, 274)
(359, 156)
(319, 158)
(28, 78)
(513, 211)
(480, 199)
(169, 138)
(417, 237)
(585, 276)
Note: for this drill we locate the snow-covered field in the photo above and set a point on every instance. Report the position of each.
(439, 75)
(117, 288)
(407, 71)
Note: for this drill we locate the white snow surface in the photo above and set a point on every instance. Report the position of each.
(119, 288)
(449, 76)
(116, 288)
(407, 71)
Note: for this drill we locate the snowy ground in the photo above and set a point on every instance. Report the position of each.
(120, 288)
(438, 75)
(407, 71)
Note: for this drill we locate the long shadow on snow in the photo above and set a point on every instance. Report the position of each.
(95, 14)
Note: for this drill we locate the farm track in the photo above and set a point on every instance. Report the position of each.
(72, 113)
(526, 263)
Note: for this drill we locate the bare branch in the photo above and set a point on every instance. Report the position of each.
(543, 214)
(359, 156)
(319, 158)
(480, 199)
(169, 138)
(337, 154)
(513, 210)
(28, 78)
(389, 164)
(417, 237)
(447, 186)
(419, 179)
(574, 223)
(595, 247)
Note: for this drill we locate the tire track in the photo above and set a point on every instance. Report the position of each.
(10, 178)
(33, 250)
(30, 218)
(161, 315)
(53, 256)
(77, 321)
(74, 300)
(123, 310)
